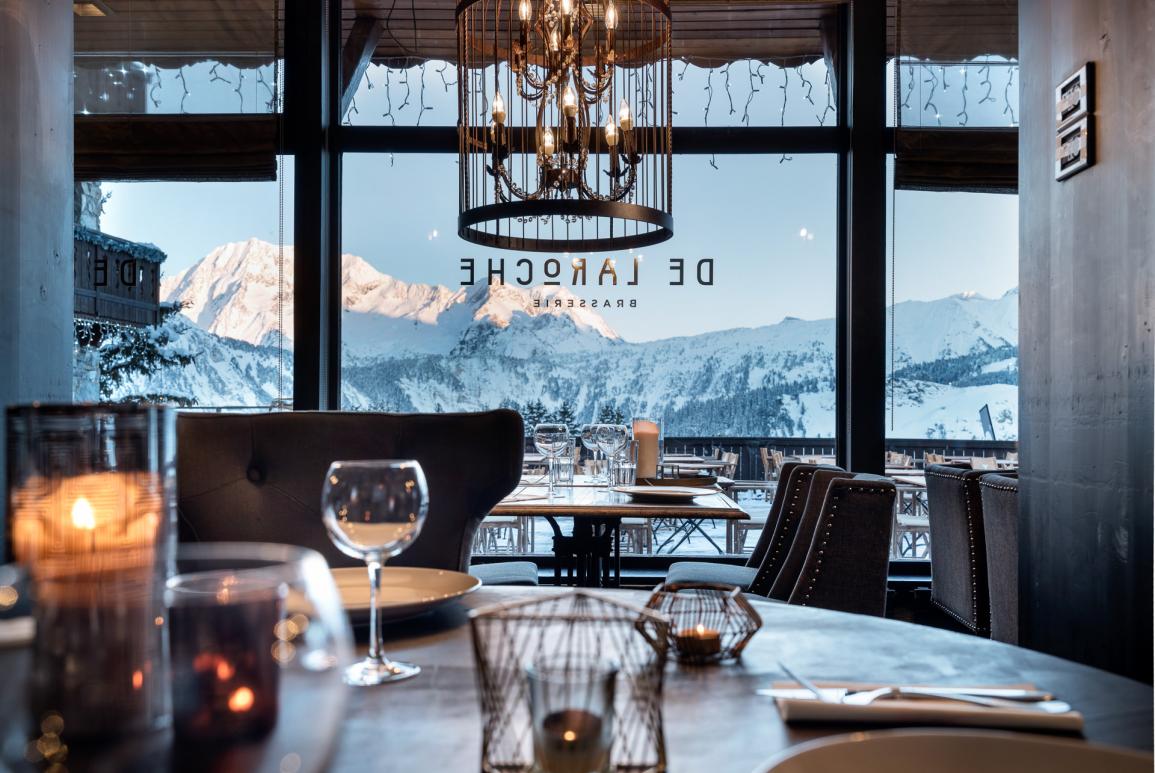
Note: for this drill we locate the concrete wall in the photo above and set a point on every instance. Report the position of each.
(1086, 388)
(35, 202)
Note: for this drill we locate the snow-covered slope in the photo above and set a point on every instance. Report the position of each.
(411, 346)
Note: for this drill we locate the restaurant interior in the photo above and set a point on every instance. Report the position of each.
(577, 386)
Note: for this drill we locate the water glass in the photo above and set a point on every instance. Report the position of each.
(611, 438)
(625, 473)
(590, 442)
(373, 510)
(572, 711)
(563, 468)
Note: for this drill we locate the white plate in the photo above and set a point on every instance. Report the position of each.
(665, 493)
(405, 591)
(954, 751)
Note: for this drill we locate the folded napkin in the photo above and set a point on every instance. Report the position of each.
(16, 631)
(799, 705)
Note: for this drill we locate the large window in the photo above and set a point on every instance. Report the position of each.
(226, 288)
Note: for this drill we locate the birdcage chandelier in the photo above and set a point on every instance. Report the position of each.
(565, 114)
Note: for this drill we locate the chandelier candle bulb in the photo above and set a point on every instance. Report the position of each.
(611, 133)
(569, 102)
(547, 142)
(498, 108)
(525, 12)
(625, 118)
(611, 17)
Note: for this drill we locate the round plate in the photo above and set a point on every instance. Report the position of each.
(405, 591)
(953, 751)
(663, 493)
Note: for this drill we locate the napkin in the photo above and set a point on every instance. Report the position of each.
(798, 705)
(16, 631)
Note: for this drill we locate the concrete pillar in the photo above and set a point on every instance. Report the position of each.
(35, 203)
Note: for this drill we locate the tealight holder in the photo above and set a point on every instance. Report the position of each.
(709, 622)
(91, 503)
(564, 679)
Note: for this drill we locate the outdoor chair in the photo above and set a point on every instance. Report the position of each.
(791, 490)
(847, 564)
(258, 477)
(984, 463)
(958, 556)
(1000, 498)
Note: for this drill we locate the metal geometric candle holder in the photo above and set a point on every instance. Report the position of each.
(582, 629)
(710, 622)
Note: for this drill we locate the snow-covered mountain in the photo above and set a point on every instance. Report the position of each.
(410, 346)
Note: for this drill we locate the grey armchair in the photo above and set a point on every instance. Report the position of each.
(847, 564)
(1000, 498)
(794, 546)
(245, 477)
(958, 558)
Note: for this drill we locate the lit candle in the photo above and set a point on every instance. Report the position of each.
(567, 6)
(224, 655)
(547, 142)
(611, 16)
(699, 642)
(572, 741)
(525, 11)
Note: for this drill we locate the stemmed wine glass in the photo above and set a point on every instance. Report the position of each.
(550, 440)
(373, 510)
(612, 438)
(590, 441)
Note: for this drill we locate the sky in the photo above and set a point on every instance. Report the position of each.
(767, 222)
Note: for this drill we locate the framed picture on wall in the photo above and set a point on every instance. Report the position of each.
(1073, 97)
(1073, 148)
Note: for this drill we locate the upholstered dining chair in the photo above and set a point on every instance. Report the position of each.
(795, 546)
(847, 564)
(258, 477)
(789, 489)
(958, 559)
(1000, 498)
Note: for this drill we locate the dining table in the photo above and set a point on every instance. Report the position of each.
(713, 716)
(591, 553)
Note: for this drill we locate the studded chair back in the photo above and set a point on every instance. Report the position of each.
(848, 563)
(1000, 497)
(958, 556)
(258, 477)
(776, 507)
(776, 538)
(795, 554)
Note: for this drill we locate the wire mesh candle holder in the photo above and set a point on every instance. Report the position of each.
(554, 672)
(91, 498)
(709, 622)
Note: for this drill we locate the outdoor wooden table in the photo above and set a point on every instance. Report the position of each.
(713, 719)
(593, 549)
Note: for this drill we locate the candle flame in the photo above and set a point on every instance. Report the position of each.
(83, 516)
(225, 670)
(700, 629)
(137, 679)
(241, 700)
(569, 735)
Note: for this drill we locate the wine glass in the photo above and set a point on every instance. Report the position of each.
(611, 439)
(373, 510)
(550, 440)
(590, 441)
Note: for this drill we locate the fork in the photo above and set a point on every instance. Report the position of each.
(867, 697)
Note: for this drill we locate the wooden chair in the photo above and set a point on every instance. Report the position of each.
(929, 458)
(637, 536)
(731, 462)
(771, 463)
(984, 463)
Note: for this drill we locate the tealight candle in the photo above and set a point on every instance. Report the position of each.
(571, 741)
(91, 512)
(699, 642)
(225, 671)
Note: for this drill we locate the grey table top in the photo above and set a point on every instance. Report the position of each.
(713, 718)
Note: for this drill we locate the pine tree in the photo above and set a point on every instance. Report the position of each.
(138, 351)
(565, 415)
(533, 413)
